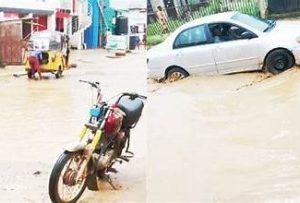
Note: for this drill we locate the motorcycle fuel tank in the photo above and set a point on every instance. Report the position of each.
(114, 121)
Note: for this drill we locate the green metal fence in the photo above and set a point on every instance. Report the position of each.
(187, 13)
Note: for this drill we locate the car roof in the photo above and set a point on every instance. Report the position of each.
(209, 19)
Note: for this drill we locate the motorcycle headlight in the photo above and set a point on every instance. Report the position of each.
(95, 112)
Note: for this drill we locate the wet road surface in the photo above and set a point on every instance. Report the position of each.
(38, 118)
(232, 138)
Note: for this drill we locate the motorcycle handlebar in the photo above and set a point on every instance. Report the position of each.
(131, 95)
(93, 84)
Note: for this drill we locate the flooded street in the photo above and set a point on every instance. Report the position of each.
(232, 138)
(38, 118)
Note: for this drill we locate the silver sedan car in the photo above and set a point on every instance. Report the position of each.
(226, 43)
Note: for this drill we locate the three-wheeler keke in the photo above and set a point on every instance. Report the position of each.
(51, 44)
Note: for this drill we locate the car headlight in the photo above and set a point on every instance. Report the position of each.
(298, 39)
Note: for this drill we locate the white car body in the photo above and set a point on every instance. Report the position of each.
(226, 57)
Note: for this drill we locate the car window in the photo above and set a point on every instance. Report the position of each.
(256, 23)
(223, 32)
(191, 37)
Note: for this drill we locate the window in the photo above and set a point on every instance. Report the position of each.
(191, 37)
(251, 21)
(222, 32)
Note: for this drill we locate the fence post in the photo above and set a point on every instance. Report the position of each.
(263, 8)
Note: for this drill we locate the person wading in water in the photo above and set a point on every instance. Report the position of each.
(34, 59)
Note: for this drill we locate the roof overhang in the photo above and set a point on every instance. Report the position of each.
(26, 11)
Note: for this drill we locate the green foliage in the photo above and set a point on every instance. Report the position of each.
(212, 8)
(156, 29)
(153, 29)
(248, 7)
(193, 2)
(155, 39)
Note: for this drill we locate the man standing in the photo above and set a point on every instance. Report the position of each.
(162, 19)
(66, 51)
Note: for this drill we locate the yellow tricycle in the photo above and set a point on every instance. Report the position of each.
(54, 51)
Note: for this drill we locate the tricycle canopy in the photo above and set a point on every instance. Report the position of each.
(47, 40)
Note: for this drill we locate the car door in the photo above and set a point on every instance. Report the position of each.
(193, 52)
(232, 52)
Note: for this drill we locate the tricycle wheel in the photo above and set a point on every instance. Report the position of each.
(58, 74)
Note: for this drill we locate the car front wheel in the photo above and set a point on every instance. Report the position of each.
(278, 61)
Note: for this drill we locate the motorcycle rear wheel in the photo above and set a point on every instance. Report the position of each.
(63, 175)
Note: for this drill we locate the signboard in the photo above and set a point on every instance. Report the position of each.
(117, 42)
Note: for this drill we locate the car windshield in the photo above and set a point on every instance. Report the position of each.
(256, 23)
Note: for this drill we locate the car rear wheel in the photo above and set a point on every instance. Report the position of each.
(278, 61)
(175, 74)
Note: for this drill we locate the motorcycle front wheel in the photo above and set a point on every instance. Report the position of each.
(64, 185)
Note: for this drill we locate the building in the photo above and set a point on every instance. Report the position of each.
(20, 18)
(56, 15)
(131, 19)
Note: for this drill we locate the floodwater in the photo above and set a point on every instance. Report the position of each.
(38, 118)
(232, 138)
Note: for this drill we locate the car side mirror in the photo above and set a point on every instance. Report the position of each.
(247, 35)
(270, 22)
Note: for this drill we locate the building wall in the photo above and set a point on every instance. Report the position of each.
(84, 21)
(46, 5)
(123, 5)
(51, 22)
(31, 4)
(91, 34)
(109, 16)
(65, 4)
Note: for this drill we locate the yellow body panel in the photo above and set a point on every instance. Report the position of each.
(83, 132)
(96, 139)
(54, 62)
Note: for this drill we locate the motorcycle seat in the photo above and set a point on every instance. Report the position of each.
(132, 108)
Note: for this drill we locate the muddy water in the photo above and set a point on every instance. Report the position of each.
(231, 138)
(38, 118)
(227, 138)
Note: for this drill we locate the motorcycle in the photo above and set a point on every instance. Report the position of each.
(104, 141)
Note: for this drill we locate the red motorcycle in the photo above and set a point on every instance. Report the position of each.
(104, 140)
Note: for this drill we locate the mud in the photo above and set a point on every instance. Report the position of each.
(232, 138)
(38, 118)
